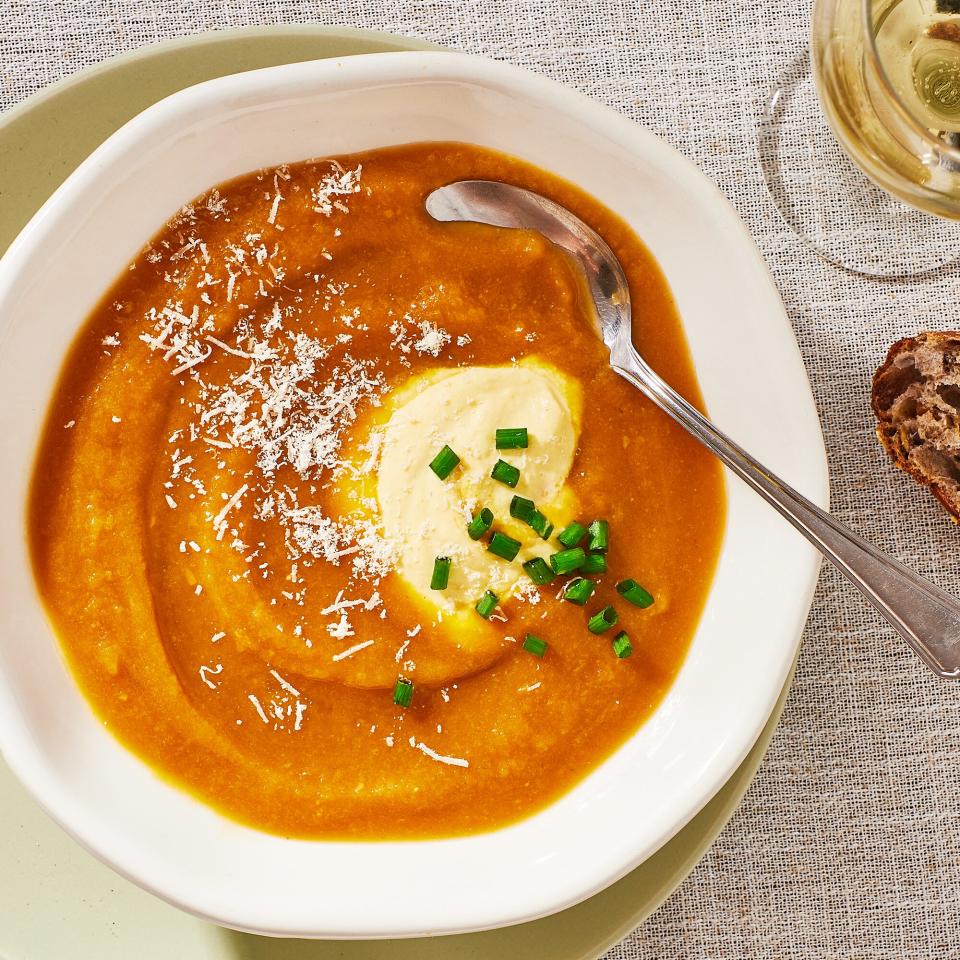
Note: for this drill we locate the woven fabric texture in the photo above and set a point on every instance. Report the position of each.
(847, 843)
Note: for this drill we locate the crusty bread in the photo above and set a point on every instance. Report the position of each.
(916, 397)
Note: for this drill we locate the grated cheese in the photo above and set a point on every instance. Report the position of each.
(256, 704)
(286, 685)
(215, 671)
(219, 521)
(340, 629)
(350, 651)
(433, 755)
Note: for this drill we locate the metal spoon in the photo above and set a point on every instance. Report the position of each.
(924, 615)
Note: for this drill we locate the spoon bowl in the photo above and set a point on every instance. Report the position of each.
(504, 205)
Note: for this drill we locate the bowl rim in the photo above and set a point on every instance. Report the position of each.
(400, 67)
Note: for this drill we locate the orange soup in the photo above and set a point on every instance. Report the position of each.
(343, 521)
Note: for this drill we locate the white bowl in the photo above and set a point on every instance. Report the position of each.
(755, 387)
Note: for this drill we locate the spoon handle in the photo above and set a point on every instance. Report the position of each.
(925, 616)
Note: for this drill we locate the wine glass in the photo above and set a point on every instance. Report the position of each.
(882, 82)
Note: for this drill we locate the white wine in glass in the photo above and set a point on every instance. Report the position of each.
(918, 45)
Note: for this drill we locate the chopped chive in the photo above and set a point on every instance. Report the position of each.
(622, 646)
(502, 546)
(480, 524)
(534, 645)
(540, 525)
(444, 462)
(526, 510)
(632, 591)
(602, 620)
(595, 563)
(506, 473)
(512, 438)
(572, 534)
(403, 692)
(522, 508)
(566, 561)
(441, 573)
(599, 532)
(579, 591)
(538, 571)
(487, 604)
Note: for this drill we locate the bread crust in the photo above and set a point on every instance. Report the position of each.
(896, 384)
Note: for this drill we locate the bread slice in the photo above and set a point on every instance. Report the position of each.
(916, 397)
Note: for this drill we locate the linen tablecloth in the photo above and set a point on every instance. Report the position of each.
(847, 843)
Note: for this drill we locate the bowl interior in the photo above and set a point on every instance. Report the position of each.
(743, 349)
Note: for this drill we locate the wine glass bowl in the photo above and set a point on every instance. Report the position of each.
(888, 79)
(860, 142)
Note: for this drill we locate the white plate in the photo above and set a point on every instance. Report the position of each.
(755, 387)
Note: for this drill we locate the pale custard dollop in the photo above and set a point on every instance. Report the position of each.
(425, 517)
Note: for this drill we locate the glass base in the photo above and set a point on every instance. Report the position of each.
(831, 205)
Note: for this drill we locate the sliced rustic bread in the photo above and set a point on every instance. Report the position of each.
(916, 397)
